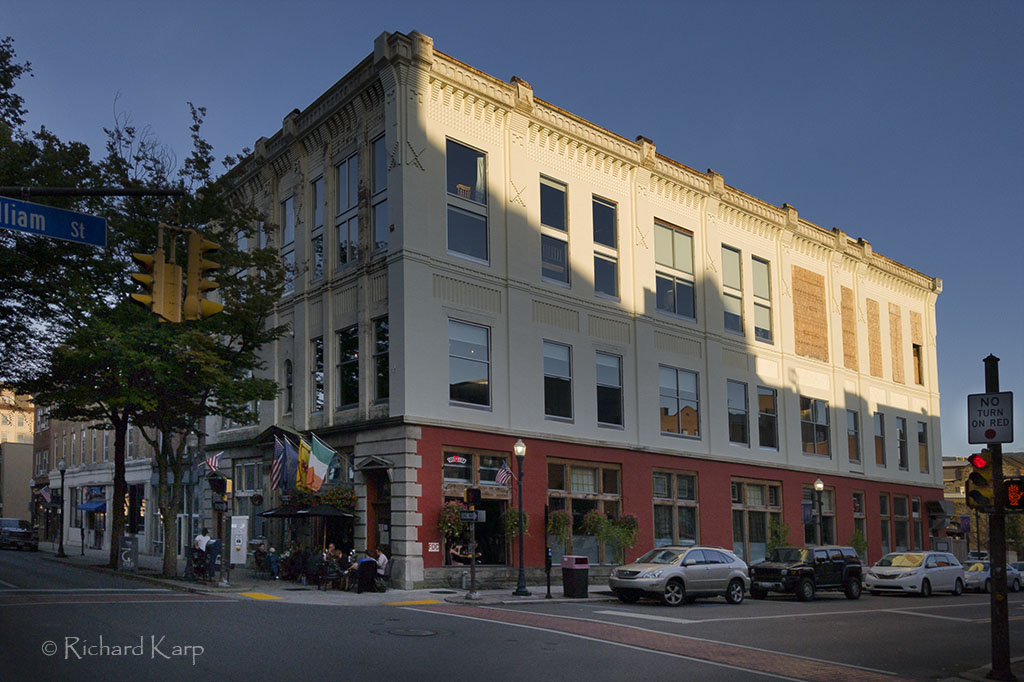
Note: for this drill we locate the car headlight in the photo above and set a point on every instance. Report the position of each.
(653, 574)
(909, 574)
(785, 571)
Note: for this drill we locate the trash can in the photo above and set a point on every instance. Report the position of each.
(575, 576)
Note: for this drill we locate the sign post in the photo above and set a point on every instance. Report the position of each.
(56, 223)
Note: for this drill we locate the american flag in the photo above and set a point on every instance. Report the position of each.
(504, 474)
(45, 493)
(277, 467)
(211, 462)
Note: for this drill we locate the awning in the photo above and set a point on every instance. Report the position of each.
(324, 510)
(283, 512)
(93, 506)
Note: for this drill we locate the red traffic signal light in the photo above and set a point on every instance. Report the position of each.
(978, 460)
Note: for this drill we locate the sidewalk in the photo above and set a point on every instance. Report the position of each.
(242, 582)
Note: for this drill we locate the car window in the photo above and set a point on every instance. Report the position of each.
(953, 561)
(908, 560)
(714, 557)
(694, 556)
(820, 556)
(977, 567)
(837, 555)
(8, 523)
(789, 555)
(660, 556)
(851, 554)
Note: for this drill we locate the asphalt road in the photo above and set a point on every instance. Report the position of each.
(62, 622)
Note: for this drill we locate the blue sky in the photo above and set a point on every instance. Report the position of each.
(896, 122)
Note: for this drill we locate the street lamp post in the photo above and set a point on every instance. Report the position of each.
(62, 466)
(520, 450)
(818, 488)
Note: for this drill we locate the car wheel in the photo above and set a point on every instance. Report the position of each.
(628, 597)
(805, 590)
(852, 589)
(734, 593)
(758, 592)
(958, 588)
(926, 588)
(674, 594)
(1015, 586)
(988, 586)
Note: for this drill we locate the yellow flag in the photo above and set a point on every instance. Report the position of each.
(301, 473)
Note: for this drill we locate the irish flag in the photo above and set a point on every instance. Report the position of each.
(319, 462)
(301, 474)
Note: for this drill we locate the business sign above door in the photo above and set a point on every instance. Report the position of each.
(456, 459)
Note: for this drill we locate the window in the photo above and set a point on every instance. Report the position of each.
(106, 445)
(814, 426)
(679, 404)
(94, 446)
(554, 229)
(755, 505)
(883, 514)
(467, 201)
(732, 289)
(767, 418)
(346, 180)
(673, 253)
(288, 242)
(73, 438)
(609, 389)
(475, 468)
(879, 422)
(762, 300)
(918, 366)
(348, 367)
(922, 446)
(675, 508)
(915, 515)
(900, 524)
(316, 371)
(579, 488)
(853, 434)
(289, 386)
(469, 364)
(860, 521)
(827, 511)
(381, 363)
(606, 254)
(316, 192)
(379, 196)
(739, 423)
(557, 380)
(901, 443)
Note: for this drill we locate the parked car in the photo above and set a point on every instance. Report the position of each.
(680, 574)
(916, 573)
(978, 576)
(18, 533)
(805, 570)
(977, 555)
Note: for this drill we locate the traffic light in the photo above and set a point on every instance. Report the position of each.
(1014, 487)
(197, 307)
(979, 491)
(219, 485)
(163, 284)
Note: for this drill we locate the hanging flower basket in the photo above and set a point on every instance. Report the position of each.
(560, 526)
(343, 497)
(511, 520)
(449, 522)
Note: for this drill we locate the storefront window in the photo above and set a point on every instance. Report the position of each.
(828, 518)
(755, 504)
(465, 469)
(591, 487)
(675, 508)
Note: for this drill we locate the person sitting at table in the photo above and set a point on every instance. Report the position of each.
(274, 562)
(259, 558)
(455, 554)
(366, 572)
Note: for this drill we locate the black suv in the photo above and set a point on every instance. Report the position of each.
(805, 570)
(17, 533)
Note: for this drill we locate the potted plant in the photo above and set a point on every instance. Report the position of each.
(560, 527)
(449, 521)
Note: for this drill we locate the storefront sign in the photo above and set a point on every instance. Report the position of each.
(456, 459)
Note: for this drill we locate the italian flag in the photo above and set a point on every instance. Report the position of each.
(319, 462)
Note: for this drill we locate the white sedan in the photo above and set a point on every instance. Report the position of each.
(978, 577)
(916, 573)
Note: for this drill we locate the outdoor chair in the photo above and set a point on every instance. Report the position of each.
(367, 576)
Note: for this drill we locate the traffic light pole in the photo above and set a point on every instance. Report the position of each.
(999, 610)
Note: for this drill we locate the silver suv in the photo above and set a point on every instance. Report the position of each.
(679, 574)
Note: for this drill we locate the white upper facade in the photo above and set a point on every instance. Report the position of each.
(523, 261)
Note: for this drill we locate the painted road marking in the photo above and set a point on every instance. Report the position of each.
(935, 615)
(645, 616)
(258, 595)
(4, 582)
(81, 590)
(411, 603)
(736, 657)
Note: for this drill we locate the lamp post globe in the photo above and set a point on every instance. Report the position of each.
(62, 467)
(819, 486)
(520, 451)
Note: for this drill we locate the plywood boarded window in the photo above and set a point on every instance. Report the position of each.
(810, 318)
(896, 342)
(874, 338)
(849, 322)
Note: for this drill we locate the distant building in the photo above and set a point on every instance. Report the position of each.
(473, 265)
(15, 472)
(971, 525)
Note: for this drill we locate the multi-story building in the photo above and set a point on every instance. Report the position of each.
(474, 265)
(15, 454)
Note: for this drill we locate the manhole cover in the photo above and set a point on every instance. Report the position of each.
(443, 592)
(409, 632)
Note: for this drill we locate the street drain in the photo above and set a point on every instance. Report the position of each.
(410, 632)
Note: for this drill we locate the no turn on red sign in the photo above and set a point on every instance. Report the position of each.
(990, 418)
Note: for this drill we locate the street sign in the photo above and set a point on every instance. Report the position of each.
(477, 515)
(56, 223)
(990, 418)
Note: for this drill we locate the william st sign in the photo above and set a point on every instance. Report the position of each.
(990, 418)
(56, 223)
